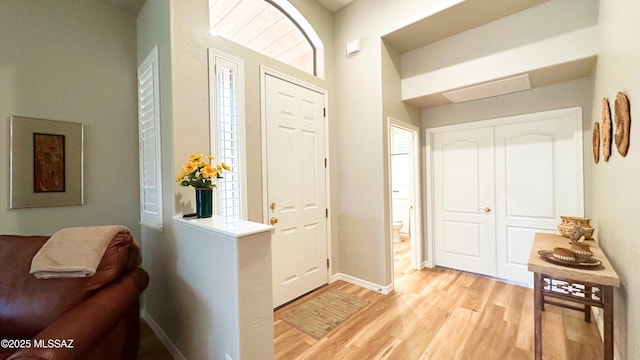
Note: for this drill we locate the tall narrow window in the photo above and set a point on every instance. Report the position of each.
(227, 130)
(149, 139)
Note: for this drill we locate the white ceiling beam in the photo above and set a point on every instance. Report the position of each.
(562, 49)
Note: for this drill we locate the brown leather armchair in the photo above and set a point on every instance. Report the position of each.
(93, 318)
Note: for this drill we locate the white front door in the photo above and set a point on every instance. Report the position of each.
(536, 182)
(295, 153)
(464, 219)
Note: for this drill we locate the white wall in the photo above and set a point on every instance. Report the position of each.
(615, 197)
(159, 249)
(73, 61)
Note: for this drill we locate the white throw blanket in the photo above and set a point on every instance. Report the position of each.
(73, 252)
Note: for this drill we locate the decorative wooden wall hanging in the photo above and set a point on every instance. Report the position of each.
(623, 123)
(596, 142)
(606, 129)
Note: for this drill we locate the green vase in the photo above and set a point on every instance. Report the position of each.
(203, 202)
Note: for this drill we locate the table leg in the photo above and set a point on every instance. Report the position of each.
(587, 313)
(537, 311)
(608, 322)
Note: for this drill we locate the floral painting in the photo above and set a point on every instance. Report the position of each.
(48, 163)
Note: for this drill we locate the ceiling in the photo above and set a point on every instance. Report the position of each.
(469, 15)
(451, 21)
(133, 6)
(456, 19)
(334, 5)
(129, 6)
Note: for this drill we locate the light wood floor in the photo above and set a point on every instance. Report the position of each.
(442, 314)
(436, 314)
(151, 348)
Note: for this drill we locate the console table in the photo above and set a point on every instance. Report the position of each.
(583, 287)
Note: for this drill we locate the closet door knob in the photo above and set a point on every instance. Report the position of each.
(486, 210)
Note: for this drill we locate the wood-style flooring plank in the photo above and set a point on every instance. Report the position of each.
(151, 348)
(452, 335)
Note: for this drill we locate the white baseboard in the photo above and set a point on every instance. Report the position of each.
(597, 314)
(363, 283)
(162, 336)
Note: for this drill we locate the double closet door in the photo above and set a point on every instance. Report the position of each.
(495, 186)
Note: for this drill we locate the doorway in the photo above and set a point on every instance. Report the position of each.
(294, 148)
(404, 190)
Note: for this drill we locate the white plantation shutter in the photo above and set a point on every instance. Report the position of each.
(149, 139)
(226, 130)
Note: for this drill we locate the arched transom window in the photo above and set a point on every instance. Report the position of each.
(271, 27)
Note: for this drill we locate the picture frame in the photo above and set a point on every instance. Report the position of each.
(46, 163)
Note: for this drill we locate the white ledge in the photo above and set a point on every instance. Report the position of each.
(225, 226)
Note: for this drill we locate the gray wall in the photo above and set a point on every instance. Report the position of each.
(615, 203)
(567, 94)
(365, 96)
(73, 61)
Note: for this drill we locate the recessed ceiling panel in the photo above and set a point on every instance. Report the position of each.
(493, 88)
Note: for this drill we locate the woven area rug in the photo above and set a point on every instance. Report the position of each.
(318, 316)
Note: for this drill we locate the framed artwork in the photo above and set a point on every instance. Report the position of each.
(46, 163)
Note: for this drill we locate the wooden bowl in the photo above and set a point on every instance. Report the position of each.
(564, 254)
(581, 250)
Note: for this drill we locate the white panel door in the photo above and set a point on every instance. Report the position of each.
(295, 142)
(536, 181)
(464, 221)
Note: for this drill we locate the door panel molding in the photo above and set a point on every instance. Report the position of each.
(463, 165)
(533, 191)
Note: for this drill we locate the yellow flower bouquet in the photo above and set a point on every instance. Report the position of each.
(199, 173)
